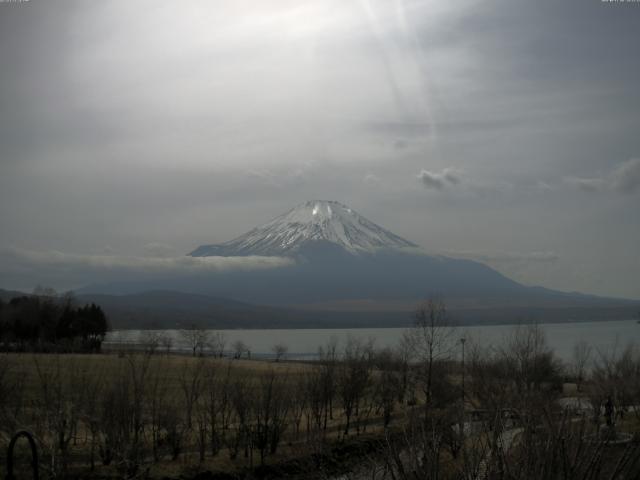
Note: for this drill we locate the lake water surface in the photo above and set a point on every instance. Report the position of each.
(304, 343)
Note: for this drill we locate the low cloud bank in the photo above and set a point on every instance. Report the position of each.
(182, 264)
(20, 268)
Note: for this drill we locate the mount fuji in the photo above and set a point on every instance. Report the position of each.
(343, 269)
(309, 224)
(340, 256)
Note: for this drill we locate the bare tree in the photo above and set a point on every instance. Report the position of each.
(431, 339)
(299, 402)
(403, 353)
(166, 342)
(90, 410)
(218, 344)
(172, 424)
(270, 412)
(387, 384)
(191, 380)
(157, 403)
(242, 400)
(11, 396)
(316, 403)
(279, 350)
(328, 356)
(59, 398)
(197, 338)
(138, 370)
(530, 360)
(150, 340)
(216, 405)
(581, 357)
(354, 377)
(616, 375)
(239, 348)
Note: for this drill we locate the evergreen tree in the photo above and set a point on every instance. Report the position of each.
(39, 322)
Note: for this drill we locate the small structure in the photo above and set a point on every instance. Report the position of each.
(34, 454)
(608, 412)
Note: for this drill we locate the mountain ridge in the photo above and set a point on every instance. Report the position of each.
(158, 309)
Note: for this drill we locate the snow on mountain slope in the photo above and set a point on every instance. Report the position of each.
(310, 222)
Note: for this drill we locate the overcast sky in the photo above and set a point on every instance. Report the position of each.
(507, 131)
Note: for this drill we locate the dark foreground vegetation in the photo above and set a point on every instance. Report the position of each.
(420, 411)
(45, 322)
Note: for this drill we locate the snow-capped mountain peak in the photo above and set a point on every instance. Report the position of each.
(308, 223)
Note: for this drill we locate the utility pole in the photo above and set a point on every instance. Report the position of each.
(464, 457)
(462, 341)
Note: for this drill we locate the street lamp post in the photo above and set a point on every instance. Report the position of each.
(462, 341)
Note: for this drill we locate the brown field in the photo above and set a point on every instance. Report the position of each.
(382, 414)
(69, 395)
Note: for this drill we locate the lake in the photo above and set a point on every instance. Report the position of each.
(304, 343)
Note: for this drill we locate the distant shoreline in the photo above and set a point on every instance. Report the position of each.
(364, 327)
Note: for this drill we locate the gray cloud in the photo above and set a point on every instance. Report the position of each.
(438, 180)
(283, 177)
(587, 184)
(66, 270)
(181, 264)
(431, 180)
(624, 178)
(543, 186)
(372, 180)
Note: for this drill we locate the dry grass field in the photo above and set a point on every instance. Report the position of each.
(375, 414)
(169, 415)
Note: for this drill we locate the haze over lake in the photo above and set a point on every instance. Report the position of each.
(304, 343)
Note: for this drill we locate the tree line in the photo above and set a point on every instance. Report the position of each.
(45, 321)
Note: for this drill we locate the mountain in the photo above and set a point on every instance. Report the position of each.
(172, 309)
(342, 255)
(305, 226)
(347, 270)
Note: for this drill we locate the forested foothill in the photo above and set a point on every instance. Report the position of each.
(47, 322)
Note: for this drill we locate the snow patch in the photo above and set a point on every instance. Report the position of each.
(317, 220)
